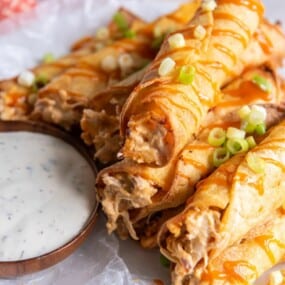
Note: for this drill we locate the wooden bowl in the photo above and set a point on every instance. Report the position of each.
(21, 267)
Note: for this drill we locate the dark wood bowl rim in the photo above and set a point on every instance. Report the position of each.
(26, 266)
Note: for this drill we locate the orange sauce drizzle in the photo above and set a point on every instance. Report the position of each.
(225, 16)
(232, 272)
(245, 94)
(200, 166)
(226, 51)
(231, 33)
(214, 179)
(170, 52)
(203, 99)
(58, 64)
(197, 147)
(179, 173)
(84, 73)
(270, 143)
(204, 73)
(161, 95)
(276, 163)
(216, 65)
(255, 6)
(264, 42)
(265, 243)
(224, 125)
(258, 185)
(273, 148)
(241, 177)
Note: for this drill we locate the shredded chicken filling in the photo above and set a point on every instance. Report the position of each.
(102, 130)
(192, 244)
(122, 193)
(147, 138)
(60, 110)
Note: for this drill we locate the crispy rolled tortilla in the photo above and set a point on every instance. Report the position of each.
(244, 262)
(173, 111)
(131, 193)
(100, 126)
(226, 205)
(17, 101)
(62, 101)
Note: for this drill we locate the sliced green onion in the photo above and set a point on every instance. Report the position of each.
(40, 81)
(217, 137)
(244, 112)
(262, 83)
(251, 142)
(247, 127)
(164, 261)
(234, 133)
(166, 66)
(176, 41)
(220, 156)
(257, 115)
(120, 21)
(235, 146)
(103, 33)
(200, 32)
(255, 163)
(186, 74)
(130, 34)
(156, 43)
(48, 58)
(260, 129)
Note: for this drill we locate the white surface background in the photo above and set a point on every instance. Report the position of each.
(52, 27)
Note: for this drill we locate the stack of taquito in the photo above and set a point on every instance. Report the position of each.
(219, 236)
(127, 45)
(17, 101)
(156, 119)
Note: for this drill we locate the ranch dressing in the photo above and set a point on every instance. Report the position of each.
(46, 194)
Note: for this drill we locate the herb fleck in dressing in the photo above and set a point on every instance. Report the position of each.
(46, 194)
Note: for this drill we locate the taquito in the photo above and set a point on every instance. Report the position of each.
(182, 84)
(244, 262)
(62, 101)
(17, 101)
(239, 195)
(131, 193)
(99, 125)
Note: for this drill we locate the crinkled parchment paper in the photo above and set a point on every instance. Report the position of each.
(52, 27)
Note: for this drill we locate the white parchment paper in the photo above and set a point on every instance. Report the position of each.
(52, 27)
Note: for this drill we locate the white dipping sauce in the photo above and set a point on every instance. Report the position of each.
(46, 194)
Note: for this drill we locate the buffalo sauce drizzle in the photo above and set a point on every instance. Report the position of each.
(233, 271)
(264, 42)
(265, 243)
(224, 125)
(231, 33)
(258, 185)
(255, 6)
(160, 95)
(245, 94)
(271, 144)
(197, 164)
